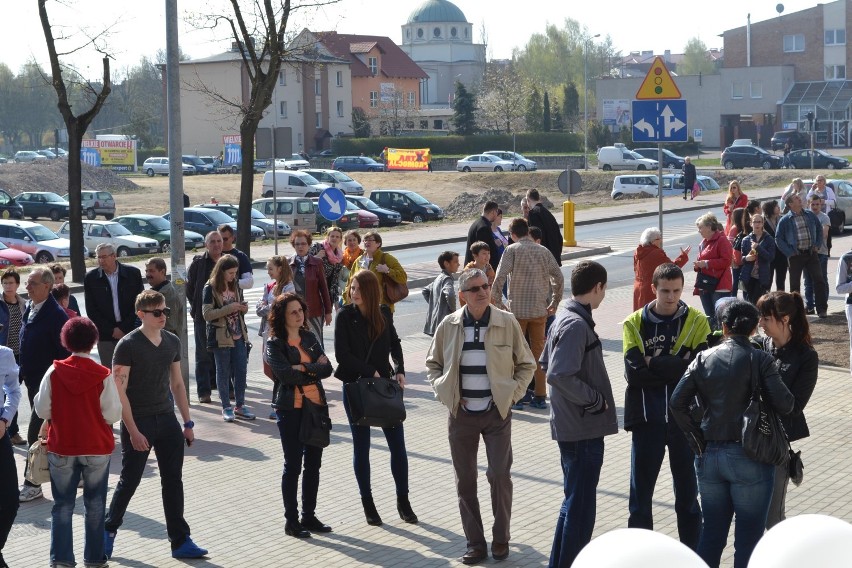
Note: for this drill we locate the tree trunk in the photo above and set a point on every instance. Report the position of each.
(247, 131)
(75, 200)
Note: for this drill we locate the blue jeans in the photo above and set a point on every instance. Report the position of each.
(295, 452)
(708, 304)
(809, 283)
(581, 470)
(647, 452)
(231, 362)
(731, 483)
(65, 474)
(205, 368)
(395, 438)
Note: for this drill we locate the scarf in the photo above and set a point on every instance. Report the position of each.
(333, 256)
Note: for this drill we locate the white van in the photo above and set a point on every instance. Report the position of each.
(292, 183)
(298, 212)
(618, 157)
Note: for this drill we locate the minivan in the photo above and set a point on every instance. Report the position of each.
(412, 206)
(298, 212)
(292, 183)
(620, 158)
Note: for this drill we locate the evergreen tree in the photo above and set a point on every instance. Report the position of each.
(570, 105)
(464, 107)
(557, 125)
(546, 119)
(534, 111)
(360, 123)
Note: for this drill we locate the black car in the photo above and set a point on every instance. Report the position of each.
(412, 206)
(801, 159)
(670, 159)
(749, 157)
(387, 217)
(9, 208)
(796, 139)
(43, 204)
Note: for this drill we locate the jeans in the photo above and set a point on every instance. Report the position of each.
(289, 425)
(8, 490)
(165, 435)
(581, 470)
(754, 290)
(205, 368)
(648, 449)
(810, 264)
(809, 285)
(708, 304)
(65, 473)
(730, 483)
(778, 504)
(231, 362)
(395, 438)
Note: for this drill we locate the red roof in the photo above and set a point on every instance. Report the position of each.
(395, 63)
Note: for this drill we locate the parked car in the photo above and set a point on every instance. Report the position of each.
(822, 160)
(291, 183)
(366, 220)
(157, 228)
(706, 183)
(294, 162)
(742, 142)
(36, 240)
(520, 163)
(484, 163)
(43, 204)
(201, 167)
(322, 154)
(337, 179)
(349, 220)
(634, 185)
(97, 203)
(412, 206)
(797, 140)
(115, 234)
(203, 220)
(13, 257)
(58, 152)
(258, 219)
(9, 208)
(356, 164)
(28, 156)
(49, 154)
(153, 166)
(749, 157)
(387, 217)
(618, 157)
(297, 212)
(670, 159)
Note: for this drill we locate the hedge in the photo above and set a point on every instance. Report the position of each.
(524, 142)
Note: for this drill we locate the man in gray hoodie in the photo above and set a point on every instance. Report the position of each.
(440, 295)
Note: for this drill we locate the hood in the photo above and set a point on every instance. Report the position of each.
(644, 251)
(648, 315)
(79, 374)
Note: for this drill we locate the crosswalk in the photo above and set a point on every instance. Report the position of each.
(623, 242)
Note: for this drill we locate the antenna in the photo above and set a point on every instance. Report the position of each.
(779, 8)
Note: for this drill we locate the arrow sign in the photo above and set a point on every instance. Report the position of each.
(332, 203)
(644, 126)
(659, 121)
(670, 122)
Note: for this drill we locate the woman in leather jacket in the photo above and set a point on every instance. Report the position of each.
(298, 365)
(729, 482)
(788, 340)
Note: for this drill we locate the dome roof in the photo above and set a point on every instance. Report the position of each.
(436, 11)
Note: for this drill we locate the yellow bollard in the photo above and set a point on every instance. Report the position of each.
(568, 224)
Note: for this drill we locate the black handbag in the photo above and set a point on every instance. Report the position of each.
(375, 401)
(705, 282)
(763, 436)
(315, 428)
(795, 467)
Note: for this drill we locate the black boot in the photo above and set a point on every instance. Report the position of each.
(405, 511)
(293, 528)
(370, 512)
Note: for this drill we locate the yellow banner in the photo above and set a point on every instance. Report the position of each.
(408, 159)
(118, 155)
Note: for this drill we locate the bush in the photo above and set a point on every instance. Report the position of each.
(524, 142)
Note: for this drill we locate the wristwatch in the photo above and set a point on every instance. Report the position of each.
(189, 424)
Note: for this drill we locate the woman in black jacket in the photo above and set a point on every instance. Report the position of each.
(298, 364)
(364, 340)
(729, 482)
(783, 320)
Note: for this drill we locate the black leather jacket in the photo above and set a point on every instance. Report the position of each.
(281, 358)
(721, 379)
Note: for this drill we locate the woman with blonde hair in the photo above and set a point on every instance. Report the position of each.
(282, 281)
(331, 255)
(736, 198)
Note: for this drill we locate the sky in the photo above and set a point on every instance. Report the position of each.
(140, 31)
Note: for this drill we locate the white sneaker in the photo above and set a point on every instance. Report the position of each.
(29, 493)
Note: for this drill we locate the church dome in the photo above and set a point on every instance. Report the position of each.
(436, 11)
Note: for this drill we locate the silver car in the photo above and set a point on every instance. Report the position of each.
(28, 156)
(338, 179)
(521, 164)
(157, 165)
(484, 163)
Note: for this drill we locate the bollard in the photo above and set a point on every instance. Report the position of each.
(568, 224)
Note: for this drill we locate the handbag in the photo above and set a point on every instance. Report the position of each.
(705, 282)
(375, 401)
(38, 469)
(394, 291)
(315, 428)
(795, 467)
(763, 436)
(696, 190)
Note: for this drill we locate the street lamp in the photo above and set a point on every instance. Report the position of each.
(586, 101)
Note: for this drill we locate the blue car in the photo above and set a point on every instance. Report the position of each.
(387, 217)
(202, 221)
(357, 164)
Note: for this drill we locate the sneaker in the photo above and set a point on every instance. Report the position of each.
(822, 315)
(244, 412)
(273, 415)
(29, 493)
(810, 311)
(228, 414)
(539, 402)
(205, 399)
(109, 543)
(17, 440)
(188, 550)
(518, 406)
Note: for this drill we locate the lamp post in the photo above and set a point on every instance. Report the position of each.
(586, 101)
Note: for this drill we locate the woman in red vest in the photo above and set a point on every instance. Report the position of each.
(79, 403)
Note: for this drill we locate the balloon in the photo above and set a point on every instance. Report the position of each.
(805, 540)
(627, 548)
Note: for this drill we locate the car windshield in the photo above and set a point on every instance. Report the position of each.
(418, 199)
(309, 179)
(53, 198)
(40, 233)
(340, 176)
(297, 157)
(823, 153)
(352, 207)
(3, 247)
(159, 223)
(117, 230)
(709, 182)
(369, 161)
(219, 217)
(255, 214)
(368, 204)
(195, 160)
(635, 155)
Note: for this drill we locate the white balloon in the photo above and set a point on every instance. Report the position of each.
(805, 540)
(628, 548)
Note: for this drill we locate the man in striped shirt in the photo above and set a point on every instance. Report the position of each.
(479, 364)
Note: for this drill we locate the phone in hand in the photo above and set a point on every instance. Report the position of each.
(188, 442)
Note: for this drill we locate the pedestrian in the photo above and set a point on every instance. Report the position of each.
(660, 339)
(797, 186)
(689, 178)
(481, 230)
(543, 219)
(330, 254)
(40, 347)
(310, 282)
(785, 162)
(736, 198)
(61, 293)
(771, 215)
(11, 319)
(758, 252)
(500, 240)
(59, 273)
(843, 285)
(11, 388)
(381, 264)
(440, 295)
(146, 366)
(800, 236)
(479, 364)
(787, 337)
(648, 256)
(715, 254)
(352, 249)
(482, 260)
(583, 409)
(740, 228)
(246, 274)
(364, 341)
(298, 365)
(282, 282)
(197, 277)
(531, 298)
(79, 400)
(731, 484)
(816, 203)
(155, 274)
(227, 335)
(110, 291)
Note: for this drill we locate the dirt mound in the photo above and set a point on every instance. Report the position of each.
(53, 176)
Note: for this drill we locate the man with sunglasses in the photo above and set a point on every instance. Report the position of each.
(146, 367)
(479, 364)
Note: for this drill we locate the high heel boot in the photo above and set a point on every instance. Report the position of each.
(370, 512)
(404, 508)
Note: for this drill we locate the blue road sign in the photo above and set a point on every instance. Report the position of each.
(660, 121)
(332, 203)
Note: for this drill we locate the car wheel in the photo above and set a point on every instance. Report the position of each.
(44, 257)
(671, 166)
(165, 247)
(466, 169)
(607, 168)
(109, 216)
(90, 214)
(522, 168)
(321, 228)
(830, 166)
(640, 167)
(123, 252)
(150, 172)
(617, 195)
(54, 215)
(766, 165)
(498, 169)
(417, 218)
(234, 169)
(729, 165)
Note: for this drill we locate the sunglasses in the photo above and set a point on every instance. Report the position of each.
(476, 289)
(158, 313)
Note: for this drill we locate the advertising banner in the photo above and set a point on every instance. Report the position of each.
(233, 152)
(118, 155)
(616, 112)
(408, 159)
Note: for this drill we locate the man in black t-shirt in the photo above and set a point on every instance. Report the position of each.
(146, 365)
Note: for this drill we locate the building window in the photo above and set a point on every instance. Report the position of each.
(299, 107)
(438, 124)
(736, 90)
(465, 33)
(317, 86)
(408, 33)
(420, 33)
(339, 76)
(454, 32)
(340, 108)
(835, 37)
(411, 98)
(424, 124)
(319, 120)
(282, 77)
(436, 32)
(374, 65)
(756, 90)
(282, 109)
(833, 72)
(793, 43)
(374, 99)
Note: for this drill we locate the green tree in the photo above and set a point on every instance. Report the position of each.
(556, 122)
(534, 111)
(464, 111)
(360, 123)
(570, 105)
(695, 59)
(545, 122)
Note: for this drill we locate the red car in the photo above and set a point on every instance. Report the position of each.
(13, 257)
(366, 220)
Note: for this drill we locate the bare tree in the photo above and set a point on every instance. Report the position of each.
(76, 126)
(503, 99)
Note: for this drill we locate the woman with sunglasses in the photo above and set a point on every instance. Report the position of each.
(224, 311)
(736, 198)
(364, 341)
